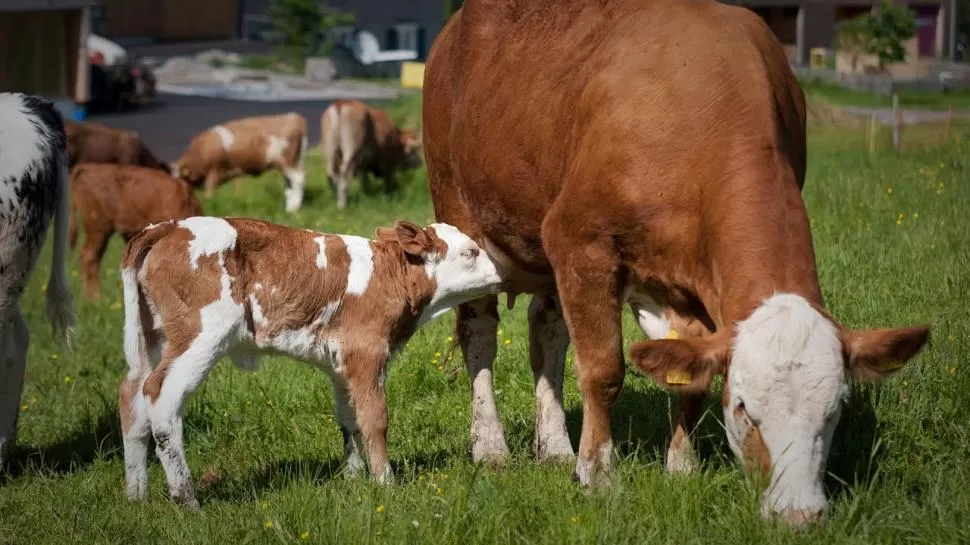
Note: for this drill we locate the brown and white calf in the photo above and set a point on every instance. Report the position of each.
(620, 162)
(33, 191)
(250, 145)
(204, 287)
(359, 140)
(90, 142)
(121, 199)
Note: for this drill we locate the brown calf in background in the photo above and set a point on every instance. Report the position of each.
(357, 139)
(89, 142)
(121, 199)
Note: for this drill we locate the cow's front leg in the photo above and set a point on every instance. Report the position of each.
(212, 180)
(365, 370)
(477, 326)
(295, 179)
(586, 269)
(548, 342)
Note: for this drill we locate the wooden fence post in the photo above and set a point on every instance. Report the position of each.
(897, 121)
(949, 122)
(871, 137)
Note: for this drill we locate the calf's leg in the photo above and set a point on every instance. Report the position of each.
(347, 420)
(586, 265)
(477, 326)
(136, 432)
(95, 244)
(15, 338)
(365, 382)
(548, 342)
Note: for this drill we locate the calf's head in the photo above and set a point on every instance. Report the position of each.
(456, 268)
(411, 146)
(785, 369)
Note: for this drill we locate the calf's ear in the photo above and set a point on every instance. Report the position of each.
(874, 354)
(413, 239)
(683, 365)
(385, 234)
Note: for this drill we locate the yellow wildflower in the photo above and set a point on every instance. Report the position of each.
(305, 536)
(265, 505)
(889, 191)
(68, 379)
(437, 354)
(507, 342)
(268, 524)
(438, 490)
(450, 338)
(574, 519)
(380, 509)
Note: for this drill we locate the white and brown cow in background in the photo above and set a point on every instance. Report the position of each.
(90, 142)
(249, 145)
(33, 190)
(603, 155)
(205, 287)
(360, 140)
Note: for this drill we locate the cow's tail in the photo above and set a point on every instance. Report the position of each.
(135, 348)
(330, 139)
(60, 306)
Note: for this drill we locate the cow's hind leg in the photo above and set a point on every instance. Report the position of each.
(14, 338)
(548, 342)
(477, 326)
(167, 390)
(586, 268)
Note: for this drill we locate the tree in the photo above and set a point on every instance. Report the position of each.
(881, 33)
(298, 24)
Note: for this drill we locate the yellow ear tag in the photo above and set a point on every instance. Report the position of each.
(672, 334)
(185, 171)
(678, 377)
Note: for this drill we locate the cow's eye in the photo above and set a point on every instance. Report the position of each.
(471, 253)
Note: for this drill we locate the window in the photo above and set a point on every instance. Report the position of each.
(407, 36)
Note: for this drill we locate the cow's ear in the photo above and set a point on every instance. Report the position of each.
(413, 239)
(683, 365)
(874, 354)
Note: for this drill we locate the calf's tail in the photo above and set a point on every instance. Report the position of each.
(135, 305)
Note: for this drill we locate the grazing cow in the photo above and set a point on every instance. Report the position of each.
(250, 145)
(89, 142)
(622, 160)
(205, 287)
(121, 199)
(357, 139)
(33, 189)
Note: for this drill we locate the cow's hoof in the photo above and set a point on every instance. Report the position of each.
(596, 471)
(683, 460)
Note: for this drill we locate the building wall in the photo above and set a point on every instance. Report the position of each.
(41, 53)
(170, 20)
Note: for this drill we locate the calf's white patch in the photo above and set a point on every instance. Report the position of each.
(212, 235)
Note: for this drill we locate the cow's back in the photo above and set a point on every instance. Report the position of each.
(631, 103)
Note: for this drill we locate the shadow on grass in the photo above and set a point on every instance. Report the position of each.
(92, 440)
(852, 459)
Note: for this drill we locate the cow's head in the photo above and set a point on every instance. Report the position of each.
(785, 370)
(179, 169)
(411, 143)
(456, 268)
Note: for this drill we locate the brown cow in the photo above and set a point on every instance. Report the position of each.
(357, 139)
(648, 153)
(250, 145)
(205, 287)
(121, 199)
(90, 142)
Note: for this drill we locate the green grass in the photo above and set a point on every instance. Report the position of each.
(265, 451)
(926, 100)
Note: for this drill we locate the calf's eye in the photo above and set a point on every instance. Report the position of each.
(471, 253)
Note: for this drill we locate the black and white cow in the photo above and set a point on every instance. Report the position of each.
(33, 189)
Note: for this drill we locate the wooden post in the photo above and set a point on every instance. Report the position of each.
(897, 121)
(871, 137)
(949, 122)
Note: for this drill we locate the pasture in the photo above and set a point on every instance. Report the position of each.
(891, 237)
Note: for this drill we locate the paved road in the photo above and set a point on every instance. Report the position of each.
(169, 124)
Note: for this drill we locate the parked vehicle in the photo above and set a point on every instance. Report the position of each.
(117, 80)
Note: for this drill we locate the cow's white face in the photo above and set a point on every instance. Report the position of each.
(786, 368)
(784, 389)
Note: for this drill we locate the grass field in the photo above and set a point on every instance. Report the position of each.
(891, 237)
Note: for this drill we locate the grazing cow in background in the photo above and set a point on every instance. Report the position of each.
(89, 142)
(121, 199)
(357, 139)
(33, 189)
(205, 287)
(622, 161)
(250, 145)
